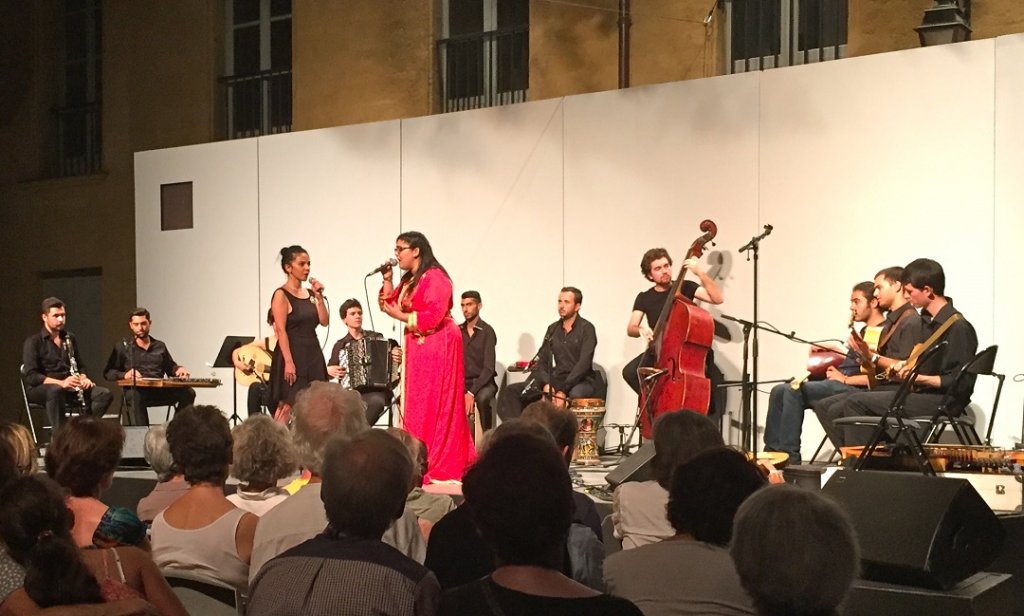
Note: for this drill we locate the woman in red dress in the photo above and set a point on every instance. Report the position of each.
(432, 388)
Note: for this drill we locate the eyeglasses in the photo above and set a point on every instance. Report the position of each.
(399, 249)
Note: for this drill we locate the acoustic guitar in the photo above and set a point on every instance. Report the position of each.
(258, 361)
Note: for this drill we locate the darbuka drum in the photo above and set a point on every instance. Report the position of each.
(369, 364)
(589, 413)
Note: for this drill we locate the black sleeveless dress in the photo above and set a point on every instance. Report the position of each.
(305, 348)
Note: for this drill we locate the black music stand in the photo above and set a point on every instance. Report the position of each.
(227, 348)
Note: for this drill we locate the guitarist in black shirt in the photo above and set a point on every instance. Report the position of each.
(924, 285)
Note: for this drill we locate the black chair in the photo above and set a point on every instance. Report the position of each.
(42, 428)
(204, 595)
(952, 411)
(894, 423)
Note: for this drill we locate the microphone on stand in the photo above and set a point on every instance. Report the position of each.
(384, 266)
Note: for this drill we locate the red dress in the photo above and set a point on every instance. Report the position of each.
(433, 390)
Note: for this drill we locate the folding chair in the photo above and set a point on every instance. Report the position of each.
(895, 418)
(952, 411)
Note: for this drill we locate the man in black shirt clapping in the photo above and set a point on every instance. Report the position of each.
(478, 342)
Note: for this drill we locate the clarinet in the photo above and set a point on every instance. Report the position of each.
(73, 367)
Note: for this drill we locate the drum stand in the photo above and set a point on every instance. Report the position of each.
(649, 378)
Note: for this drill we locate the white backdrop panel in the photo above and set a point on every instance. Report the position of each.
(1008, 228)
(199, 283)
(643, 168)
(485, 187)
(867, 163)
(335, 192)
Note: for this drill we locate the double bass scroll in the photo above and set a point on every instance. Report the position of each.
(681, 341)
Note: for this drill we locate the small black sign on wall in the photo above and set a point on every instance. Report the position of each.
(176, 206)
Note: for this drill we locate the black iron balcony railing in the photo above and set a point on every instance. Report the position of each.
(484, 69)
(79, 140)
(258, 103)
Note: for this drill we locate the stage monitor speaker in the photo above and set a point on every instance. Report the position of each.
(916, 530)
(637, 467)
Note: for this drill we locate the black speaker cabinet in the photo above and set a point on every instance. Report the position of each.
(916, 530)
(637, 467)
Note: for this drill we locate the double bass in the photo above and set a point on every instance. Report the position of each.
(681, 341)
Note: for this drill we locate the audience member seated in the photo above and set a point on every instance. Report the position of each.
(203, 532)
(22, 445)
(520, 498)
(457, 554)
(36, 528)
(12, 576)
(263, 456)
(638, 507)
(347, 569)
(428, 507)
(171, 484)
(795, 551)
(691, 573)
(562, 424)
(584, 545)
(82, 458)
(321, 411)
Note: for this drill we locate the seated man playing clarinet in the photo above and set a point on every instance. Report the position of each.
(53, 373)
(146, 357)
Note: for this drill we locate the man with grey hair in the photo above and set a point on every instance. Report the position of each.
(364, 484)
(171, 484)
(322, 411)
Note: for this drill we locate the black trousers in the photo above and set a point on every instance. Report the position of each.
(257, 399)
(647, 358)
(485, 399)
(141, 398)
(867, 403)
(56, 399)
(377, 401)
(512, 404)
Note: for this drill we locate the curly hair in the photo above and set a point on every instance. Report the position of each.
(706, 492)
(263, 451)
(200, 441)
(157, 453)
(84, 453)
(650, 257)
(35, 525)
(322, 410)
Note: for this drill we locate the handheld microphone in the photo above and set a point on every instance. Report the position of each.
(322, 289)
(384, 266)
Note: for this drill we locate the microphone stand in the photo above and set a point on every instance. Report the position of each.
(750, 400)
(748, 385)
(129, 347)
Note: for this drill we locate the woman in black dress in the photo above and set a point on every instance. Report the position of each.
(298, 360)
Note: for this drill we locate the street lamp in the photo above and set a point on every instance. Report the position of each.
(946, 21)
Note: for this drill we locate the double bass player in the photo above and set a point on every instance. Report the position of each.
(649, 320)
